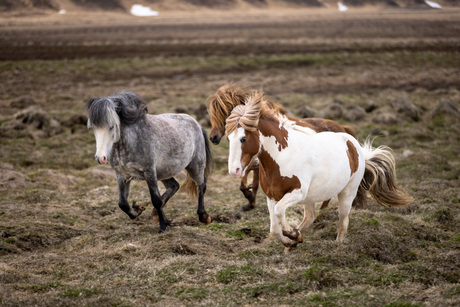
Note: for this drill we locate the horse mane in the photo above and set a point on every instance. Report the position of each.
(224, 100)
(122, 107)
(247, 116)
(129, 106)
(229, 96)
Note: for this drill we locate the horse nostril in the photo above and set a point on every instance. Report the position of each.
(214, 140)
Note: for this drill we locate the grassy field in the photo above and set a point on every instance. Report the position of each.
(64, 241)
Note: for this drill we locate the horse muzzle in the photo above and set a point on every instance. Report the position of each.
(101, 159)
(237, 172)
(215, 139)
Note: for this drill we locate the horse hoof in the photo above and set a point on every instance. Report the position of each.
(138, 209)
(205, 219)
(290, 248)
(294, 235)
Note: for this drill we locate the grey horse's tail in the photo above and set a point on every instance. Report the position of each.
(189, 185)
(380, 177)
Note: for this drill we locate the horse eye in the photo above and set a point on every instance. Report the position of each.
(243, 139)
(111, 128)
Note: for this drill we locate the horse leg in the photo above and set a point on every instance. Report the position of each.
(255, 184)
(157, 200)
(271, 209)
(308, 217)
(289, 236)
(246, 189)
(202, 215)
(360, 201)
(345, 200)
(325, 204)
(123, 193)
(172, 186)
(196, 173)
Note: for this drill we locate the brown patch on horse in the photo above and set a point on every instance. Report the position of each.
(352, 157)
(321, 124)
(250, 148)
(274, 185)
(280, 134)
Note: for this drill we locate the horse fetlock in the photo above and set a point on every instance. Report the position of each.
(164, 225)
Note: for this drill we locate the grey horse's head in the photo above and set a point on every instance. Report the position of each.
(106, 115)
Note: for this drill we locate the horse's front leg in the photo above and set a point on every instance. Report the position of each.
(172, 186)
(156, 198)
(123, 191)
(245, 188)
(287, 235)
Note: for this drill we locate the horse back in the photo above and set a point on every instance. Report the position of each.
(176, 140)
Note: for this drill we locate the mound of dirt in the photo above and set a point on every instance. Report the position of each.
(11, 179)
(34, 122)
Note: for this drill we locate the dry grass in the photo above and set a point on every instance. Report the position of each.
(65, 242)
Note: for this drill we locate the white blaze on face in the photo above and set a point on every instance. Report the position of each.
(104, 143)
(235, 168)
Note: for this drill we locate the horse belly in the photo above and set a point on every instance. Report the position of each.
(170, 168)
(330, 172)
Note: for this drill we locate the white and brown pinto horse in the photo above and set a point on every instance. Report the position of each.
(297, 164)
(221, 104)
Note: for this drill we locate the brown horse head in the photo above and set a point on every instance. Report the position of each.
(221, 104)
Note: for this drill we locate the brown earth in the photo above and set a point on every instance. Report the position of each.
(389, 72)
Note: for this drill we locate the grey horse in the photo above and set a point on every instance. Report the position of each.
(150, 147)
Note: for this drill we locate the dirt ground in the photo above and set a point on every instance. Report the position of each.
(391, 73)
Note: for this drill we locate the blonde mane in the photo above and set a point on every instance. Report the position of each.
(229, 96)
(247, 116)
(224, 101)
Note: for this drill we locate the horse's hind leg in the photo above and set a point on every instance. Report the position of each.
(308, 217)
(345, 200)
(360, 201)
(203, 216)
(123, 191)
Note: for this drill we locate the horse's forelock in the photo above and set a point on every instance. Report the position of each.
(101, 112)
(245, 116)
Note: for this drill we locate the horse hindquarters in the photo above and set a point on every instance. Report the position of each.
(197, 171)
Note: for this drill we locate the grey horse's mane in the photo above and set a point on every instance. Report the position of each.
(125, 105)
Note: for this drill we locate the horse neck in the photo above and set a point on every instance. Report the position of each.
(269, 128)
